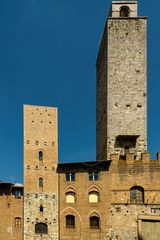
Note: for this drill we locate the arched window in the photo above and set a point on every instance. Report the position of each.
(93, 197)
(70, 221)
(70, 197)
(18, 222)
(41, 228)
(124, 11)
(94, 222)
(137, 194)
(41, 184)
(40, 156)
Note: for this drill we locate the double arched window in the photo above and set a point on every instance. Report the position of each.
(41, 228)
(124, 11)
(137, 194)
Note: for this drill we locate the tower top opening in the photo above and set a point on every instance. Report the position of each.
(128, 8)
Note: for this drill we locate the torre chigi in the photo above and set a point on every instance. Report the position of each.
(115, 197)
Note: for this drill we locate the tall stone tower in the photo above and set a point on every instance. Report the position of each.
(121, 83)
(40, 177)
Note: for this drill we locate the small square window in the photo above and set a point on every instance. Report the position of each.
(94, 176)
(70, 177)
(17, 194)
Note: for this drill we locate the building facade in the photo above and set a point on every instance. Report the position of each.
(118, 195)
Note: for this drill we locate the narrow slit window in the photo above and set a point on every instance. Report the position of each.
(41, 184)
(41, 208)
(40, 156)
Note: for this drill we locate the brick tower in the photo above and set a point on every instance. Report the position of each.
(40, 177)
(121, 83)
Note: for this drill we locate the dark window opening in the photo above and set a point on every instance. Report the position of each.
(70, 177)
(94, 176)
(40, 156)
(137, 195)
(17, 194)
(41, 228)
(126, 144)
(70, 221)
(94, 222)
(41, 208)
(126, 149)
(41, 184)
(124, 11)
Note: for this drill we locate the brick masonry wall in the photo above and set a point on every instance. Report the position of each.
(10, 208)
(82, 209)
(40, 134)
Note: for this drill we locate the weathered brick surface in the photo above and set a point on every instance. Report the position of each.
(40, 134)
(10, 208)
(82, 209)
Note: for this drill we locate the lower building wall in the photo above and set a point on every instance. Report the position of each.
(126, 221)
(10, 209)
(32, 215)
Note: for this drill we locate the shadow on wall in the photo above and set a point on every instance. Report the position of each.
(140, 237)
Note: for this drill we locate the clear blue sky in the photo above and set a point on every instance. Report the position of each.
(48, 52)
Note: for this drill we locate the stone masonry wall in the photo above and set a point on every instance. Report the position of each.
(124, 215)
(32, 215)
(126, 98)
(122, 84)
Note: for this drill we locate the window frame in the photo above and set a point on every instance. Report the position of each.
(137, 195)
(93, 176)
(18, 222)
(40, 183)
(40, 156)
(125, 10)
(71, 193)
(94, 222)
(70, 177)
(70, 221)
(43, 228)
(93, 193)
